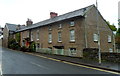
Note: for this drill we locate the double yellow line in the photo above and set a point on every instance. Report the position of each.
(74, 64)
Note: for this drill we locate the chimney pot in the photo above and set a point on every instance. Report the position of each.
(29, 22)
(53, 14)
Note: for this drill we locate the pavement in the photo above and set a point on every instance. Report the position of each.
(112, 66)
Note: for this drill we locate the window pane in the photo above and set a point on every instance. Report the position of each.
(109, 38)
(72, 35)
(31, 36)
(72, 23)
(59, 37)
(50, 38)
(73, 50)
(49, 27)
(60, 26)
(95, 37)
(110, 50)
(37, 35)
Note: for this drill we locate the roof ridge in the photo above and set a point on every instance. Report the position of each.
(11, 24)
(68, 15)
(64, 14)
(78, 9)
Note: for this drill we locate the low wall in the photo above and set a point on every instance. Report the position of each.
(60, 52)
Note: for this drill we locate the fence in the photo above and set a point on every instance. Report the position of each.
(60, 52)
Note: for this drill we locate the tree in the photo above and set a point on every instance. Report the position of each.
(118, 36)
(17, 36)
(12, 44)
(118, 32)
(112, 27)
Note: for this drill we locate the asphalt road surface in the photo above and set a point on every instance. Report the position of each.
(15, 62)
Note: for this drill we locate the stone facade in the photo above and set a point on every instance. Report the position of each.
(70, 34)
(5, 37)
(84, 27)
(8, 32)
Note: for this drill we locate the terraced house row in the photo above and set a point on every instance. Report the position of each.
(69, 33)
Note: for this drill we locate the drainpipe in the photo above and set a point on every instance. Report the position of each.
(85, 24)
(114, 42)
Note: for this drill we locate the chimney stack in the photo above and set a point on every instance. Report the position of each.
(18, 27)
(53, 14)
(29, 22)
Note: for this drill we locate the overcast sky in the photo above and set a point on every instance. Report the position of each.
(17, 11)
(119, 10)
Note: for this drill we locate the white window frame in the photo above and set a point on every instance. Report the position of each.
(72, 23)
(27, 34)
(37, 45)
(60, 25)
(109, 38)
(14, 36)
(73, 51)
(49, 28)
(72, 35)
(50, 38)
(23, 35)
(110, 50)
(59, 37)
(95, 37)
(31, 36)
(37, 35)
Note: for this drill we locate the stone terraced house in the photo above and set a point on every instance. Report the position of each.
(69, 33)
(8, 31)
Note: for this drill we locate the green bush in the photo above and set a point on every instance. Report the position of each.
(24, 49)
(32, 47)
(90, 53)
(12, 44)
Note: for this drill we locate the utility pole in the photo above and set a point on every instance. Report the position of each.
(85, 24)
(98, 31)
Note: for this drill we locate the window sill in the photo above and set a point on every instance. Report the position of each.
(50, 30)
(59, 28)
(72, 41)
(71, 26)
(96, 41)
(74, 53)
(49, 42)
(59, 41)
(37, 39)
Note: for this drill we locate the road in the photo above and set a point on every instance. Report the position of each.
(15, 62)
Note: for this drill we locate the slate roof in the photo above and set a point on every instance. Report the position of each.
(13, 27)
(80, 12)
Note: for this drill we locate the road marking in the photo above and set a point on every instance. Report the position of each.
(90, 67)
(38, 65)
(75, 64)
(1, 73)
(54, 59)
(1, 70)
(45, 57)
